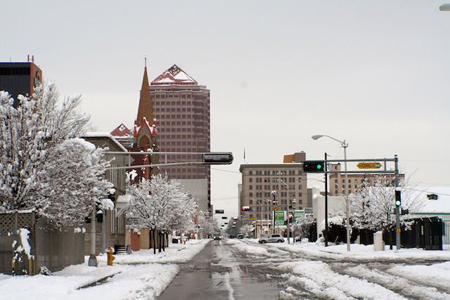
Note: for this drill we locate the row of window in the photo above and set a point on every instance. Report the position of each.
(183, 129)
(264, 216)
(284, 180)
(175, 96)
(181, 116)
(260, 187)
(275, 172)
(269, 202)
(279, 194)
(173, 109)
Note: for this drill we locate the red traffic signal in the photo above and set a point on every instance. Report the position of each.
(246, 208)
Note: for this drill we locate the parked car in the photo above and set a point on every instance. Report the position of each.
(274, 238)
(240, 236)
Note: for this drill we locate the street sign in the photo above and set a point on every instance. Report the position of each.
(253, 218)
(279, 218)
(373, 165)
(298, 214)
(276, 207)
(220, 211)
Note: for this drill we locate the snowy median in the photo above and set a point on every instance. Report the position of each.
(141, 275)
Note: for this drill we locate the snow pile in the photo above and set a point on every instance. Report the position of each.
(24, 241)
(318, 278)
(107, 204)
(256, 250)
(398, 283)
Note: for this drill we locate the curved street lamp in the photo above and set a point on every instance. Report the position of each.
(444, 7)
(344, 145)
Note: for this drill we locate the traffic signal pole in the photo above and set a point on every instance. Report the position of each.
(326, 200)
(397, 207)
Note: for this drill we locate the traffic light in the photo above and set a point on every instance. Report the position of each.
(218, 158)
(398, 198)
(314, 166)
(245, 208)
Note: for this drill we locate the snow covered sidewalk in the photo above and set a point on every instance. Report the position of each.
(141, 275)
(359, 252)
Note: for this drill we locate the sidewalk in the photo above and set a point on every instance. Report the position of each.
(141, 275)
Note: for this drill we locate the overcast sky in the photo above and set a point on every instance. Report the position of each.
(375, 73)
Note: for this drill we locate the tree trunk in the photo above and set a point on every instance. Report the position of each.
(159, 241)
(163, 241)
(154, 241)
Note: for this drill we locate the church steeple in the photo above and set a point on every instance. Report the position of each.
(145, 109)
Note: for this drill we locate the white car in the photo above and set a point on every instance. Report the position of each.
(274, 238)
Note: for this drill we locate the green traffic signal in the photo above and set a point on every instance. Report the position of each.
(398, 198)
(313, 166)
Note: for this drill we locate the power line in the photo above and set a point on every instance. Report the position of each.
(228, 171)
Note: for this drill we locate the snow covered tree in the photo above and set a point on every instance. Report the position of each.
(373, 207)
(302, 226)
(245, 230)
(160, 205)
(71, 182)
(34, 143)
(208, 225)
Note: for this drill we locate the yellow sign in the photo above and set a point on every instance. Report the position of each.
(253, 218)
(276, 208)
(399, 230)
(374, 165)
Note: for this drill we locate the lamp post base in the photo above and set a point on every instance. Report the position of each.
(92, 262)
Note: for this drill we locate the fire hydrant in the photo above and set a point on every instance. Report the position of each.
(110, 256)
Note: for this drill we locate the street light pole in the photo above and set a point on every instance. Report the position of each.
(347, 205)
(344, 145)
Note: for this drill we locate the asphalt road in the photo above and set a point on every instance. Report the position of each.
(218, 272)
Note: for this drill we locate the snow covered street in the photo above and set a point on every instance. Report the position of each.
(310, 271)
(244, 269)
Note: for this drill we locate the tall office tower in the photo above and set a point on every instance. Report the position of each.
(19, 78)
(182, 110)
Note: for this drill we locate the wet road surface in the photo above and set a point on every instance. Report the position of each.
(219, 272)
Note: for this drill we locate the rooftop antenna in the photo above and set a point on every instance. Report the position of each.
(145, 59)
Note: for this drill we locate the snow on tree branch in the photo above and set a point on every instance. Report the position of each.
(43, 164)
(160, 204)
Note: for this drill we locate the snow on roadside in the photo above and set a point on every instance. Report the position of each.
(317, 277)
(141, 275)
(436, 275)
(134, 282)
(175, 253)
(407, 287)
(252, 250)
(361, 252)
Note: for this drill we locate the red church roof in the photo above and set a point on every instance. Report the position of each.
(121, 130)
(174, 76)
